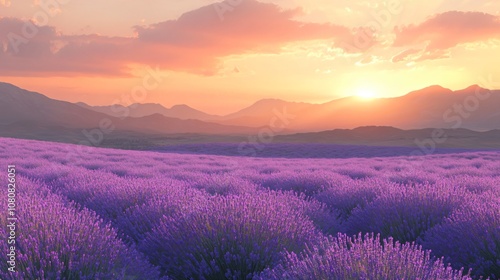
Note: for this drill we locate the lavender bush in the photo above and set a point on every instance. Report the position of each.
(298, 182)
(470, 237)
(56, 241)
(135, 222)
(360, 257)
(406, 212)
(232, 237)
(223, 184)
(351, 194)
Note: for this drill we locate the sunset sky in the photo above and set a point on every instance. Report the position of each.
(221, 56)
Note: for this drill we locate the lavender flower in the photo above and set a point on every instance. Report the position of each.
(232, 237)
(367, 257)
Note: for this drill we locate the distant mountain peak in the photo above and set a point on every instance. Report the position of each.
(8, 85)
(147, 105)
(181, 106)
(474, 87)
(376, 127)
(435, 89)
(269, 101)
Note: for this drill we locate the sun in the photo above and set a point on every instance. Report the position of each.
(366, 94)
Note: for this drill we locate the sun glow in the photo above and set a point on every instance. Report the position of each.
(366, 93)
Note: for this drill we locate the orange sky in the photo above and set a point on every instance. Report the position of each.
(221, 56)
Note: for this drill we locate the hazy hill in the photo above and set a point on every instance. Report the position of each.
(390, 136)
(472, 108)
(22, 112)
(429, 107)
(183, 112)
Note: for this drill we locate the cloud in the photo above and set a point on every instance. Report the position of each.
(36, 39)
(195, 42)
(367, 60)
(449, 29)
(404, 55)
(5, 3)
(417, 55)
(432, 55)
(32, 50)
(250, 27)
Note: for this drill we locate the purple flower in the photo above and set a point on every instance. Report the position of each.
(358, 257)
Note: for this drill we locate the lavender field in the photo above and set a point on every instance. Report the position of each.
(112, 214)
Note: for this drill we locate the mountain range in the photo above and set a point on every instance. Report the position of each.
(20, 108)
(29, 114)
(136, 110)
(473, 108)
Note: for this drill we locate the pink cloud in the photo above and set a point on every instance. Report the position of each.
(404, 55)
(432, 55)
(31, 50)
(195, 42)
(5, 3)
(417, 55)
(449, 29)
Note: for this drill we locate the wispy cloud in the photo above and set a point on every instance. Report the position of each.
(445, 31)
(5, 3)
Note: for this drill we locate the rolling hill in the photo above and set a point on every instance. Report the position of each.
(24, 112)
